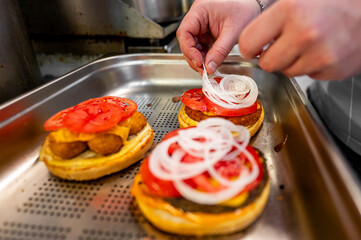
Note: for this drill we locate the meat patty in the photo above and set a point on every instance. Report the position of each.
(245, 120)
(105, 143)
(67, 150)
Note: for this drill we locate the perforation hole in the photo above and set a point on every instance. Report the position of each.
(130, 172)
(59, 198)
(118, 206)
(172, 106)
(91, 234)
(146, 103)
(167, 120)
(27, 231)
(159, 135)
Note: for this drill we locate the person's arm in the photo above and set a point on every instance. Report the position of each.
(211, 28)
(319, 38)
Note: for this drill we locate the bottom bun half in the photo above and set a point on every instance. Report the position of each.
(89, 165)
(170, 219)
(185, 121)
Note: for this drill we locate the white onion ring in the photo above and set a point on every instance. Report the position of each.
(218, 144)
(231, 91)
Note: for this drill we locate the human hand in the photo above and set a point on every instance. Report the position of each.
(211, 28)
(319, 38)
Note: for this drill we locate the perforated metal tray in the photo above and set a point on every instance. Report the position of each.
(313, 194)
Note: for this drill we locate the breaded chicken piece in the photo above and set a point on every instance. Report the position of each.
(105, 143)
(67, 150)
(136, 122)
(102, 143)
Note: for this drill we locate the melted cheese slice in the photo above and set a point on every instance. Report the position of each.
(64, 135)
(236, 201)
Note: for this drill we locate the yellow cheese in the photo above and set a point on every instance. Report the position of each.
(209, 113)
(64, 135)
(236, 201)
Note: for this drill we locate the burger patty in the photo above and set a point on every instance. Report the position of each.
(102, 143)
(245, 120)
(189, 206)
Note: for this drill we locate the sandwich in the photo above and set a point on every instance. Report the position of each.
(203, 180)
(232, 97)
(95, 138)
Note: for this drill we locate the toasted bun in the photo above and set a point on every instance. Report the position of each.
(89, 165)
(173, 220)
(185, 121)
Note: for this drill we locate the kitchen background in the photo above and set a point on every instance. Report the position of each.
(58, 36)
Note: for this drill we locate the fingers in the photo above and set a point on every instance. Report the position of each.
(262, 31)
(324, 65)
(220, 49)
(188, 41)
(190, 49)
(291, 49)
(281, 54)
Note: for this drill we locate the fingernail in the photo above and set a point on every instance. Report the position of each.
(212, 66)
(199, 47)
(194, 62)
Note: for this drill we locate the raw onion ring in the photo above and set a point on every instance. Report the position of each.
(233, 91)
(213, 140)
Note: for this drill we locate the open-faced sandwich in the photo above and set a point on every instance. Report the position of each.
(95, 138)
(203, 180)
(233, 97)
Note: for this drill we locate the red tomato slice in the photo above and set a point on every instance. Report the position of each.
(255, 183)
(212, 107)
(93, 117)
(129, 106)
(56, 121)
(218, 79)
(157, 187)
(196, 100)
(203, 182)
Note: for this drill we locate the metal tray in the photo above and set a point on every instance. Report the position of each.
(313, 194)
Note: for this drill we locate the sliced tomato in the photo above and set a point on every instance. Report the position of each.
(156, 186)
(194, 99)
(255, 183)
(56, 121)
(129, 106)
(204, 182)
(93, 117)
(212, 107)
(228, 169)
(218, 79)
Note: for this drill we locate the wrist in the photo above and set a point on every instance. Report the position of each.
(263, 4)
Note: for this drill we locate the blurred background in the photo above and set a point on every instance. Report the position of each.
(42, 40)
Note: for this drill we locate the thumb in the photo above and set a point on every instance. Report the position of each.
(220, 50)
